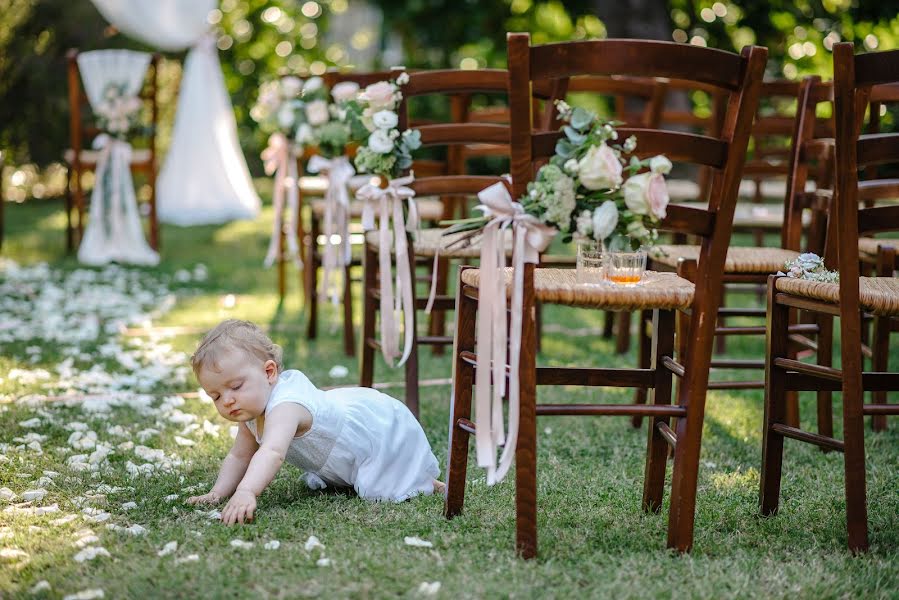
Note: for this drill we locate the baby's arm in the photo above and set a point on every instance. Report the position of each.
(233, 467)
(280, 429)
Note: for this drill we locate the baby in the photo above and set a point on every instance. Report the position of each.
(349, 437)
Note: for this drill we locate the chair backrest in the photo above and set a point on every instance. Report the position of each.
(739, 75)
(855, 78)
(82, 128)
(772, 130)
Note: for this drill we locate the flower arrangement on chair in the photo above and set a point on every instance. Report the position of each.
(117, 114)
(386, 152)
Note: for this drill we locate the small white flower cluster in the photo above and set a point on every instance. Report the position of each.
(118, 111)
(811, 267)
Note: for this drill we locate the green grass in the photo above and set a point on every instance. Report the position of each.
(594, 539)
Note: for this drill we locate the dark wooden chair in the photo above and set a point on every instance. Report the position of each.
(740, 76)
(80, 158)
(853, 78)
(431, 241)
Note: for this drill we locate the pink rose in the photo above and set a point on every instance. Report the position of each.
(380, 96)
(345, 91)
(657, 194)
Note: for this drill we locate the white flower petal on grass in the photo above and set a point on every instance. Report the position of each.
(214, 515)
(187, 559)
(338, 372)
(129, 505)
(30, 423)
(92, 552)
(313, 543)
(210, 428)
(272, 545)
(417, 542)
(37, 494)
(63, 520)
(323, 562)
(86, 540)
(429, 588)
(86, 595)
(183, 441)
(95, 515)
(241, 544)
(7, 495)
(13, 554)
(168, 549)
(46, 510)
(41, 586)
(171, 497)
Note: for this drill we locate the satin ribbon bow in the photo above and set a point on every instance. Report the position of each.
(279, 159)
(530, 238)
(337, 206)
(386, 203)
(114, 157)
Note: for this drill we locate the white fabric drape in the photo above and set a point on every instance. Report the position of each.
(205, 177)
(114, 230)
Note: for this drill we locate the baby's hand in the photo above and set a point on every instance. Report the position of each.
(240, 508)
(207, 498)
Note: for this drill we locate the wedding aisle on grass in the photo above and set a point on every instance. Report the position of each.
(104, 436)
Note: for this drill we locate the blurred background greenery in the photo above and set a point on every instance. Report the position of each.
(259, 39)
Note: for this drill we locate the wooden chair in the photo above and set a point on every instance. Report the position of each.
(431, 241)
(853, 78)
(80, 158)
(664, 294)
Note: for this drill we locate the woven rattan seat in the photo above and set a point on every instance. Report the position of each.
(429, 209)
(429, 241)
(869, 246)
(761, 216)
(664, 291)
(879, 295)
(739, 259)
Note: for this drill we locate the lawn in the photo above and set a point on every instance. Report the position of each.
(94, 386)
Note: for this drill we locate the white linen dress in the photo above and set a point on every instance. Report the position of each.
(359, 438)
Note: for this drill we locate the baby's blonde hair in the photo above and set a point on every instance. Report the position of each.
(232, 334)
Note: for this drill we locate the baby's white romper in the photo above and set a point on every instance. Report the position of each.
(360, 438)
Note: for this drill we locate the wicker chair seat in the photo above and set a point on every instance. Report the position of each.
(429, 241)
(869, 246)
(664, 291)
(879, 295)
(739, 259)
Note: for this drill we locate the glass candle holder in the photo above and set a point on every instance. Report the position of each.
(590, 264)
(625, 268)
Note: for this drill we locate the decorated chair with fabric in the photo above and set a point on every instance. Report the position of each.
(113, 108)
(482, 343)
(813, 290)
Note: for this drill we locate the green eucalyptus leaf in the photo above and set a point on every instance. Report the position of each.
(580, 118)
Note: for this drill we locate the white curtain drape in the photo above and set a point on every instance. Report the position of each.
(204, 178)
(113, 232)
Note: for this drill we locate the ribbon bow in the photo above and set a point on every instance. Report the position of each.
(279, 158)
(387, 202)
(337, 205)
(530, 238)
(114, 158)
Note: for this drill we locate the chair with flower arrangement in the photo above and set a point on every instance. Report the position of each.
(483, 321)
(429, 244)
(84, 130)
(854, 77)
(316, 186)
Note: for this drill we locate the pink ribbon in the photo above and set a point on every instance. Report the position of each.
(530, 238)
(337, 206)
(280, 159)
(387, 202)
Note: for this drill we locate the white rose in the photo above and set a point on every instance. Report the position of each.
(304, 134)
(317, 112)
(291, 86)
(635, 196)
(313, 84)
(345, 91)
(605, 219)
(600, 169)
(402, 79)
(660, 164)
(286, 117)
(385, 119)
(585, 224)
(571, 166)
(380, 142)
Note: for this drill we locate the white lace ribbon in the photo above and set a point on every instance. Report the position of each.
(336, 221)
(530, 237)
(386, 203)
(114, 158)
(280, 160)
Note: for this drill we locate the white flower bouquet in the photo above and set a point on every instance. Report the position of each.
(373, 120)
(810, 266)
(594, 188)
(118, 112)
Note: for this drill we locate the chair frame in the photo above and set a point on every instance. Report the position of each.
(80, 133)
(739, 74)
(854, 77)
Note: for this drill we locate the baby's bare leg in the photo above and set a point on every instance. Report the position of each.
(439, 487)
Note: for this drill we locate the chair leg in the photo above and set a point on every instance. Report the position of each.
(369, 314)
(880, 345)
(775, 406)
(645, 347)
(608, 325)
(657, 447)
(349, 336)
(79, 205)
(623, 332)
(526, 448)
(311, 274)
(70, 232)
(854, 444)
(825, 358)
(463, 380)
(412, 396)
(282, 266)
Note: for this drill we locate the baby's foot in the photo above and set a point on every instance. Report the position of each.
(439, 487)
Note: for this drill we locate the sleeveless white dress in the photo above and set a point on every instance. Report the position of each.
(359, 438)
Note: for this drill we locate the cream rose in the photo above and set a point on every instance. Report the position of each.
(286, 117)
(600, 169)
(291, 86)
(635, 196)
(380, 96)
(380, 142)
(660, 164)
(605, 219)
(385, 119)
(304, 134)
(317, 112)
(313, 84)
(345, 91)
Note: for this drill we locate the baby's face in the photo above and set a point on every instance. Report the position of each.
(241, 385)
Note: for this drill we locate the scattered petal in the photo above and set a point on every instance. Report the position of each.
(30, 423)
(187, 559)
(41, 586)
(241, 544)
(417, 542)
(13, 554)
(171, 497)
(86, 595)
(338, 372)
(313, 543)
(92, 552)
(429, 588)
(63, 520)
(323, 562)
(272, 545)
(37, 494)
(7, 495)
(168, 549)
(129, 505)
